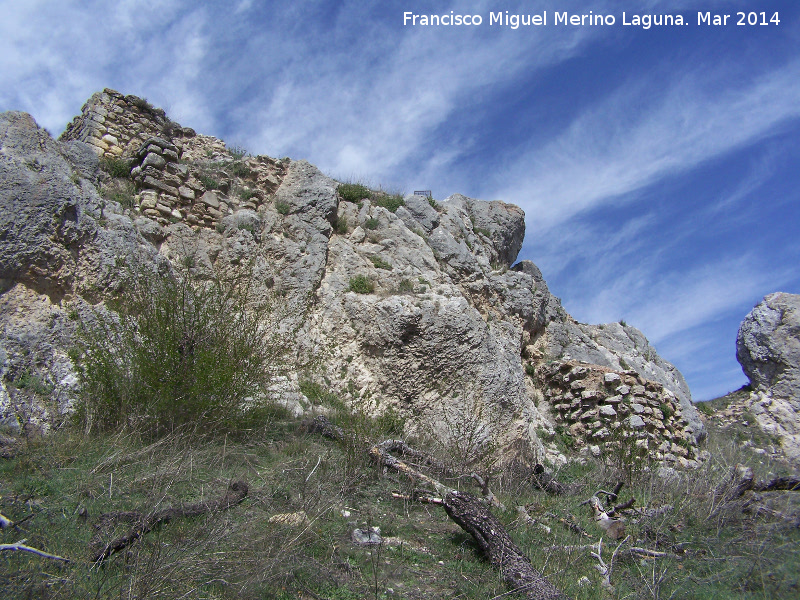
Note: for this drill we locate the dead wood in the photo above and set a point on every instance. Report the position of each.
(742, 480)
(143, 524)
(466, 510)
(20, 545)
(547, 483)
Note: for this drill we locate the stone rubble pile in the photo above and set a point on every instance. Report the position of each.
(603, 408)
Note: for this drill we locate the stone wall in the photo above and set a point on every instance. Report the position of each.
(115, 125)
(179, 176)
(602, 409)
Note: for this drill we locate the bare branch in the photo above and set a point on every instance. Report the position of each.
(20, 545)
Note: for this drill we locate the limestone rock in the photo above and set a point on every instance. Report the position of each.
(768, 345)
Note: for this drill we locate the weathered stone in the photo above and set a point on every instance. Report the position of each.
(153, 160)
(635, 422)
(607, 411)
(623, 390)
(611, 378)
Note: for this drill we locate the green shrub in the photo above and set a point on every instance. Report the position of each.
(179, 350)
(353, 192)
(379, 263)
(282, 207)
(116, 167)
(432, 202)
(405, 286)
(390, 203)
(360, 284)
(246, 194)
(372, 223)
(209, 182)
(239, 169)
(342, 225)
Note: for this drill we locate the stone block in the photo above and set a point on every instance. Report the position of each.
(637, 408)
(623, 390)
(611, 378)
(149, 199)
(110, 139)
(607, 411)
(613, 400)
(210, 199)
(153, 160)
(635, 422)
(186, 193)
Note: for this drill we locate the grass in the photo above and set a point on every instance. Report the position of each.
(716, 550)
(116, 167)
(361, 284)
(379, 263)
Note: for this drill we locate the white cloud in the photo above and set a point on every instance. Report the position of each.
(633, 139)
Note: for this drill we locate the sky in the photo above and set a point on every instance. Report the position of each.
(657, 167)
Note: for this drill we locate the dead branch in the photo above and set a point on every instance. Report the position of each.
(20, 545)
(529, 520)
(237, 491)
(5, 522)
(570, 524)
(469, 513)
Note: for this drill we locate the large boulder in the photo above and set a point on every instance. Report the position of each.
(768, 345)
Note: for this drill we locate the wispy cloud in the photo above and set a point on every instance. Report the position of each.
(635, 138)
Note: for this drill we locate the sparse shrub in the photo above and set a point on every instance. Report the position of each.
(353, 192)
(209, 182)
(282, 207)
(116, 167)
(239, 169)
(390, 423)
(530, 370)
(178, 350)
(246, 194)
(483, 231)
(379, 263)
(433, 202)
(142, 104)
(390, 203)
(341, 225)
(238, 152)
(361, 284)
(372, 223)
(405, 286)
(32, 383)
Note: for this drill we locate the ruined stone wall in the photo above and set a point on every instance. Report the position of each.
(115, 125)
(603, 409)
(179, 176)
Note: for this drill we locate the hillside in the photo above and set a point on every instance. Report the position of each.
(174, 314)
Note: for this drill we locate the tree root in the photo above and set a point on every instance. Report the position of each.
(143, 524)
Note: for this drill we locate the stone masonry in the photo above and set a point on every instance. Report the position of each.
(602, 408)
(179, 175)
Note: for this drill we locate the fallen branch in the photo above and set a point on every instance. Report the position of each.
(470, 513)
(237, 491)
(5, 522)
(20, 545)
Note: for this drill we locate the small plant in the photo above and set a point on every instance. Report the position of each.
(530, 370)
(32, 383)
(405, 286)
(623, 323)
(238, 152)
(353, 192)
(116, 167)
(239, 169)
(75, 178)
(433, 202)
(341, 225)
(666, 409)
(209, 182)
(283, 207)
(390, 203)
(142, 104)
(246, 194)
(361, 284)
(379, 263)
(372, 223)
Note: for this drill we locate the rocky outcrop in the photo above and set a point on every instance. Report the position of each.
(768, 348)
(410, 306)
(768, 345)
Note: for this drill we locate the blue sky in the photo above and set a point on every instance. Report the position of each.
(658, 168)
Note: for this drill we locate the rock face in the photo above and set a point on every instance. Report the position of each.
(408, 306)
(768, 345)
(768, 348)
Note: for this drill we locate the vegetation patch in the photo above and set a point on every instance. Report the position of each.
(361, 284)
(379, 263)
(353, 192)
